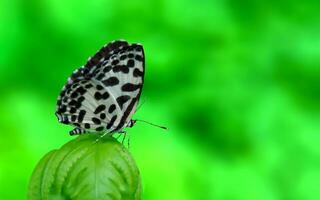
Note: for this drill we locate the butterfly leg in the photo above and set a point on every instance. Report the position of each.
(101, 136)
(125, 135)
(128, 141)
(77, 131)
(119, 135)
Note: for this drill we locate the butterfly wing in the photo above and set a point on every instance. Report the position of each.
(103, 94)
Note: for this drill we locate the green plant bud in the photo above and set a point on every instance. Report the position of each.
(86, 169)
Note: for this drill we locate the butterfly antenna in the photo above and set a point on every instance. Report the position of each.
(163, 127)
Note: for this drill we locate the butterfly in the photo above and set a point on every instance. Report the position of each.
(103, 95)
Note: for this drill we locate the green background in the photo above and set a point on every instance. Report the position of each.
(237, 83)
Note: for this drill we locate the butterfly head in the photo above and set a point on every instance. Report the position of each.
(131, 123)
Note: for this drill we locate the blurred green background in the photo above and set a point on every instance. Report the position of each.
(237, 83)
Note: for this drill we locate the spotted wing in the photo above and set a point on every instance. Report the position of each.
(121, 76)
(103, 94)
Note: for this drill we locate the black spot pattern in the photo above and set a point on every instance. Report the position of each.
(130, 63)
(74, 94)
(63, 109)
(65, 121)
(121, 68)
(96, 120)
(100, 76)
(78, 105)
(72, 103)
(139, 58)
(97, 96)
(107, 69)
(82, 113)
(86, 125)
(122, 100)
(113, 119)
(129, 87)
(100, 109)
(81, 90)
(81, 99)
(138, 48)
(73, 118)
(123, 57)
(85, 71)
(74, 86)
(112, 81)
(100, 128)
(88, 86)
(99, 87)
(105, 95)
(112, 108)
(102, 116)
(115, 62)
(137, 72)
(73, 110)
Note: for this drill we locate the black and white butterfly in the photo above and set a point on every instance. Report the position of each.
(103, 94)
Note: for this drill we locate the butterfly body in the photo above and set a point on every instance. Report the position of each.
(103, 95)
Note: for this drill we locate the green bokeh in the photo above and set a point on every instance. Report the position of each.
(237, 82)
